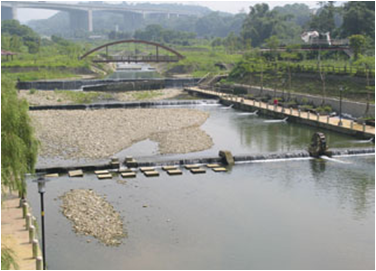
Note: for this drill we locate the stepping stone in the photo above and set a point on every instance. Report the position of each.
(76, 173)
(143, 169)
(124, 170)
(191, 166)
(151, 173)
(99, 172)
(167, 168)
(198, 170)
(219, 169)
(212, 165)
(104, 176)
(132, 163)
(128, 174)
(51, 175)
(174, 172)
(128, 159)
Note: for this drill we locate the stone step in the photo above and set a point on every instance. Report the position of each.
(104, 176)
(174, 172)
(191, 166)
(51, 175)
(124, 170)
(213, 165)
(219, 169)
(151, 173)
(99, 172)
(198, 170)
(169, 168)
(128, 174)
(143, 169)
(76, 173)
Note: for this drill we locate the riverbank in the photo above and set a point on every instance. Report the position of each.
(96, 134)
(14, 234)
(50, 97)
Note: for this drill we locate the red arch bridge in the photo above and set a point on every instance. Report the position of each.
(136, 56)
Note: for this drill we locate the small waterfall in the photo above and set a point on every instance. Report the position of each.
(333, 160)
(228, 107)
(371, 140)
(276, 121)
(248, 113)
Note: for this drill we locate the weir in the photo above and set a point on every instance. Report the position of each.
(145, 104)
(302, 154)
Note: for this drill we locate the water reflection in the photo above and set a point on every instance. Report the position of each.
(353, 182)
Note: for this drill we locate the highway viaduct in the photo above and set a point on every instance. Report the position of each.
(81, 15)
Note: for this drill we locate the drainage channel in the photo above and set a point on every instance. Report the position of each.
(122, 105)
(217, 164)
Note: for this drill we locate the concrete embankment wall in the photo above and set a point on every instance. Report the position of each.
(356, 109)
(109, 84)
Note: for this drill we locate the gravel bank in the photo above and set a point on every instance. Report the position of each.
(102, 133)
(93, 215)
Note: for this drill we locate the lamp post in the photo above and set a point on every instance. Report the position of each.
(340, 105)
(41, 181)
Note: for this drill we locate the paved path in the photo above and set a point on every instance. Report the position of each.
(14, 234)
(347, 124)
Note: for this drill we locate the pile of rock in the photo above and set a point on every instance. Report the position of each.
(93, 215)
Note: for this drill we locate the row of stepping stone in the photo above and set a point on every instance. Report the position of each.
(148, 171)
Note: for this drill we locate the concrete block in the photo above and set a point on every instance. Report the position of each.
(128, 158)
(191, 166)
(76, 173)
(128, 174)
(143, 169)
(213, 165)
(169, 168)
(219, 169)
(52, 175)
(99, 172)
(104, 176)
(174, 172)
(132, 164)
(151, 173)
(198, 170)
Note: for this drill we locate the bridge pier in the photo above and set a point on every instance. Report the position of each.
(9, 13)
(81, 20)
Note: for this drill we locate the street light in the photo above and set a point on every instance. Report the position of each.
(340, 106)
(42, 189)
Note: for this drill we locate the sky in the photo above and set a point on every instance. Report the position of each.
(234, 7)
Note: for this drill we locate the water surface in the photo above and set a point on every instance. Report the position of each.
(309, 214)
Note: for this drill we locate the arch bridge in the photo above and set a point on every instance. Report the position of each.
(155, 57)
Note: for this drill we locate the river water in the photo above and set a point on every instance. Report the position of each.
(308, 214)
(301, 214)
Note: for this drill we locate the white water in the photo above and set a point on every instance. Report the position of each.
(276, 121)
(248, 113)
(333, 160)
(228, 107)
(363, 141)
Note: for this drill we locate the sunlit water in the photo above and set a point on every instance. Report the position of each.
(309, 214)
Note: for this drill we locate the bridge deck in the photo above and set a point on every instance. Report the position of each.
(348, 126)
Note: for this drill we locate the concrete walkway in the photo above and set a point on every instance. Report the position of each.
(346, 124)
(14, 234)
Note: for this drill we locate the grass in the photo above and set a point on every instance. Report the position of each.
(83, 97)
(200, 62)
(42, 74)
(8, 259)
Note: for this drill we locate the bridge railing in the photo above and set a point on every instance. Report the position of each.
(152, 58)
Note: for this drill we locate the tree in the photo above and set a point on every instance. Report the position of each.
(18, 145)
(323, 20)
(357, 43)
(359, 18)
(273, 43)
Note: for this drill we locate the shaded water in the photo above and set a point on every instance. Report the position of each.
(309, 214)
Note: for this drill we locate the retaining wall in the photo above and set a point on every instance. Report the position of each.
(109, 84)
(356, 109)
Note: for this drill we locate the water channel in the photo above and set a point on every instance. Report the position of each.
(300, 214)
